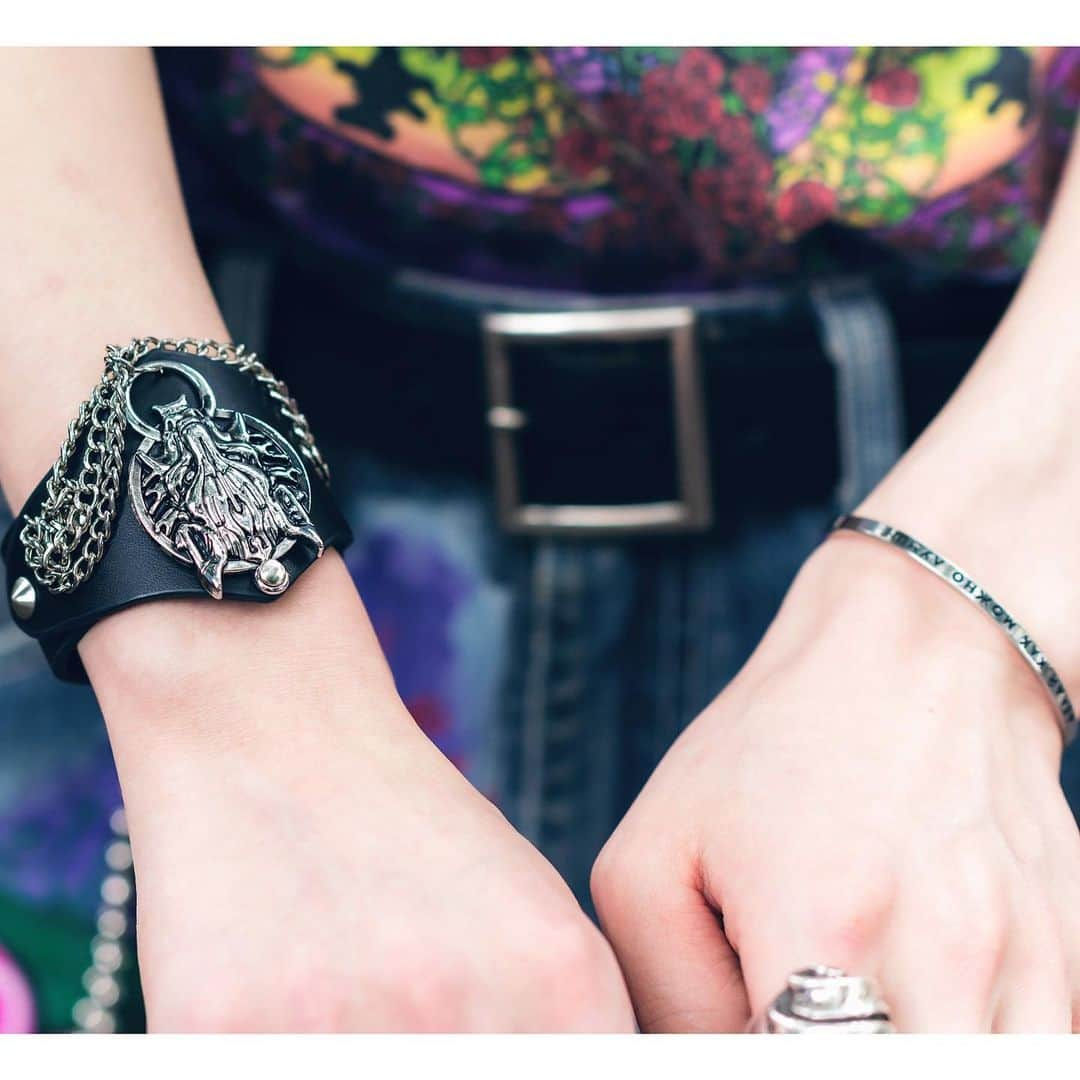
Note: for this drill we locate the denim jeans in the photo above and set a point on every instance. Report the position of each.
(554, 672)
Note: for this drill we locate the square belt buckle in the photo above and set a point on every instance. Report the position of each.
(691, 511)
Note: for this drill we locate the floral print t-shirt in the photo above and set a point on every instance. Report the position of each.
(644, 167)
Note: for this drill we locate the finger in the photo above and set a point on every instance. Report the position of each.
(945, 953)
(1034, 988)
(681, 972)
(827, 920)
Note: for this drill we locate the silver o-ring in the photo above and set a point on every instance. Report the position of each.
(208, 402)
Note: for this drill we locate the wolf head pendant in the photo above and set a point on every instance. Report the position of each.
(223, 491)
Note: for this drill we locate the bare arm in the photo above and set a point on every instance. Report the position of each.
(100, 251)
(878, 789)
(305, 858)
(996, 477)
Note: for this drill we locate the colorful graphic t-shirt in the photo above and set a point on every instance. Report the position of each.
(647, 167)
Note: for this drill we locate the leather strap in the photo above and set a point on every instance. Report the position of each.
(135, 569)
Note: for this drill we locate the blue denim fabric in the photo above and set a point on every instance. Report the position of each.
(555, 673)
(616, 649)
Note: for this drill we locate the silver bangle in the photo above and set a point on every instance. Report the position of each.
(964, 584)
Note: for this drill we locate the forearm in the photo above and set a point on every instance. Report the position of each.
(100, 251)
(994, 482)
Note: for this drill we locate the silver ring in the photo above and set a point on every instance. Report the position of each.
(207, 400)
(822, 999)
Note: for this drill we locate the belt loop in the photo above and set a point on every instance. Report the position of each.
(859, 339)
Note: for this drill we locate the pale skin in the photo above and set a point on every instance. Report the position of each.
(877, 789)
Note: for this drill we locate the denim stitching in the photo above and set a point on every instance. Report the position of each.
(534, 691)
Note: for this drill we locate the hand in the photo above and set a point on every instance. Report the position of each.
(306, 859)
(877, 790)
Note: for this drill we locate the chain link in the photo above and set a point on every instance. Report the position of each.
(67, 538)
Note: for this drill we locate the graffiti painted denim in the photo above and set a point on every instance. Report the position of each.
(555, 673)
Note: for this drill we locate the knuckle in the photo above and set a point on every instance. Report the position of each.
(843, 937)
(565, 949)
(418, 986)
(604, 879)
(976, 948)
(848, 921)
(431, 1004)
(968, 925)
(985, 924)
(614, 882)
(574, 971)
(322, 1004)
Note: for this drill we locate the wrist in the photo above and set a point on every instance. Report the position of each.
(1015, 548)
(170, 674)
(872, 608)
(1000, 503)
(286, 713)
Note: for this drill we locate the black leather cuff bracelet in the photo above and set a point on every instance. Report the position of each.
(189, 471)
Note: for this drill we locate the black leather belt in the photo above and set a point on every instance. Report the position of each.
(628, 420)
(618, 421)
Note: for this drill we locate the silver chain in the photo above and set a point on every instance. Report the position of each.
(67, 538)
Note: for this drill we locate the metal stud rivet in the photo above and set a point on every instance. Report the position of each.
(272, 577)
(23, 598)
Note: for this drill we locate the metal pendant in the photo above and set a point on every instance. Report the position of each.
(219, 489)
